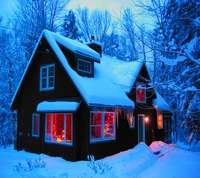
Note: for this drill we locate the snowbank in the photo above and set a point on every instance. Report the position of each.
(139, 162)
(130, 163)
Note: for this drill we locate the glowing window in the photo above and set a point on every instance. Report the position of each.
(35, 125)
(160, 119)
(47, 75)
(140, 93)
(59, 128)
(131, 121)
(102, 126)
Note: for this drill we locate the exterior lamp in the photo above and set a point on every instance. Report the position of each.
(146, 120)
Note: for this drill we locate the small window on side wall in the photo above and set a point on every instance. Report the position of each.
(160, 119)
(131, 121)
(35, 125)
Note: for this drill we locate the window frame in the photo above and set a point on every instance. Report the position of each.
(103, 138)
(47, 67)
(33, 125)
(84, 61)
(65, 129)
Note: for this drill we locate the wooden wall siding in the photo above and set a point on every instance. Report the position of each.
(81, 131)
(30, 95)
(70, 56)
(96, 47)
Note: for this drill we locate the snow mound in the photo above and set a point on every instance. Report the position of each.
(132, 162)
(158, 147)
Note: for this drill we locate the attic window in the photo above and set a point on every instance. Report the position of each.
(84, 66)
(47, 75)
(140, 93)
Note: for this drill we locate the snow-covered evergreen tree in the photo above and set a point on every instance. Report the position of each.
(179, 39)
(69, 28)
(11, 69)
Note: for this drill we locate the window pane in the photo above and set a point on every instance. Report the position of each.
(44, 82)
(96, 119)
(48, 127)
(109, 125)
(109, 118)
(44, 72)
(51, 71)
(69, 128)
(51, 82)
(58, 128)
(96, 132)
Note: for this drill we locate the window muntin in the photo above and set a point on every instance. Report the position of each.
(102, 126)
(47, 76)
(84, 66)
(35, 125)
(59, 128)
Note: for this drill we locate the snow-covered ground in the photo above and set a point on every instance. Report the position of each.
(172, 162)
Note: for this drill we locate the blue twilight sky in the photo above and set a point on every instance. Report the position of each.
(114, 7)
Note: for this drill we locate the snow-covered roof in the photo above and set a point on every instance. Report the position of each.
(73, 45)
(160, 103)
(47, 106)
(122, 73)
(99, 90)
(112, 79)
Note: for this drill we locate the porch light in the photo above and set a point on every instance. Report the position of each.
(146, 120)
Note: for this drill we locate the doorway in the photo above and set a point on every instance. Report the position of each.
(141, 128)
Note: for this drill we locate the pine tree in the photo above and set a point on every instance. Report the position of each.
(69, 28)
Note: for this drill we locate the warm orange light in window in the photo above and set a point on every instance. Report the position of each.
(146, 119)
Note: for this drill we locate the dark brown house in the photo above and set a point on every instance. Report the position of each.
(73, 101)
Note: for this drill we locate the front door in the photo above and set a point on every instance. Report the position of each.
(141, 128)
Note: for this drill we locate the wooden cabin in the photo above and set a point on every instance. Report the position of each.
(73, 101)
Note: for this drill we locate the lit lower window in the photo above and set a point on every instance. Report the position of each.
(35, 125)
(102, 126)
(59, 128)
(47, 75)
(84, 66)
